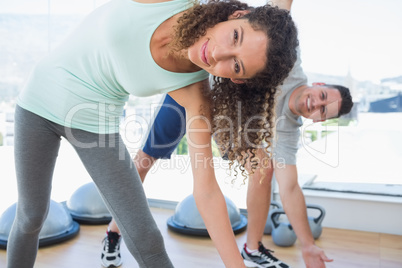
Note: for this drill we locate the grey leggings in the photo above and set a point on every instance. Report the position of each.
(106, 159)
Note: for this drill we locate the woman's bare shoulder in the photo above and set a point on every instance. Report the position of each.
(191, 95)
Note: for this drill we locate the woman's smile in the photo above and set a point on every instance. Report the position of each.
(204, 53)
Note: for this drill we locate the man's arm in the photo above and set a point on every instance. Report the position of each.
(292, 196)
(294, 205)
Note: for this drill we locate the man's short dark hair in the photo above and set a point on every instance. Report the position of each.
(347, 102)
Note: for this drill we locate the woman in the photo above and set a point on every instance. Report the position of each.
(127, 47)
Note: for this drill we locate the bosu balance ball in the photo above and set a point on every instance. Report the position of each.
(86, 206)
(58, 227)
(187, 220)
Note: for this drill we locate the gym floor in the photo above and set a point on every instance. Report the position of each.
(348, 248)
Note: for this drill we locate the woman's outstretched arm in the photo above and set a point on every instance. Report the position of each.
(207, 194)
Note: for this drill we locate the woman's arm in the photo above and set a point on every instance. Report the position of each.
(207, 194)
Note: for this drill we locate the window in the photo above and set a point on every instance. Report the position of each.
(355, 44)
(29, 29)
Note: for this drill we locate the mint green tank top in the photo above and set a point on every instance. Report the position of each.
(85, 82)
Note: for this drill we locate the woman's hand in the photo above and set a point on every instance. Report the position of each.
(207, 194)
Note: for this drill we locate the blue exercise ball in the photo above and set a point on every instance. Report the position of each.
(188, 220)
(87, 206)
(58, 226)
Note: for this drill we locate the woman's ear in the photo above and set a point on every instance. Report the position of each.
(238, 14)
(237, 81)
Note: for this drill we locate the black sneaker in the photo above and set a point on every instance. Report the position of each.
(262, 258)
(111, 250)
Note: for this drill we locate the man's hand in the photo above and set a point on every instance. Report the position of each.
(314, 257)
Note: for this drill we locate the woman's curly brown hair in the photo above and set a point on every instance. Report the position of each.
(243, 114)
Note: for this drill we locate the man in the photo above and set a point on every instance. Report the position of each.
(295, 99)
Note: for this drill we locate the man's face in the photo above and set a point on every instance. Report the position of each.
(318, 103)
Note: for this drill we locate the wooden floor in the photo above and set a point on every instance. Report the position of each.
(347, 248)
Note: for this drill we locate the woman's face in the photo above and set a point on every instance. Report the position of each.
(231, 49)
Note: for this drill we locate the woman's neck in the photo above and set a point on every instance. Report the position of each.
(162, 53)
